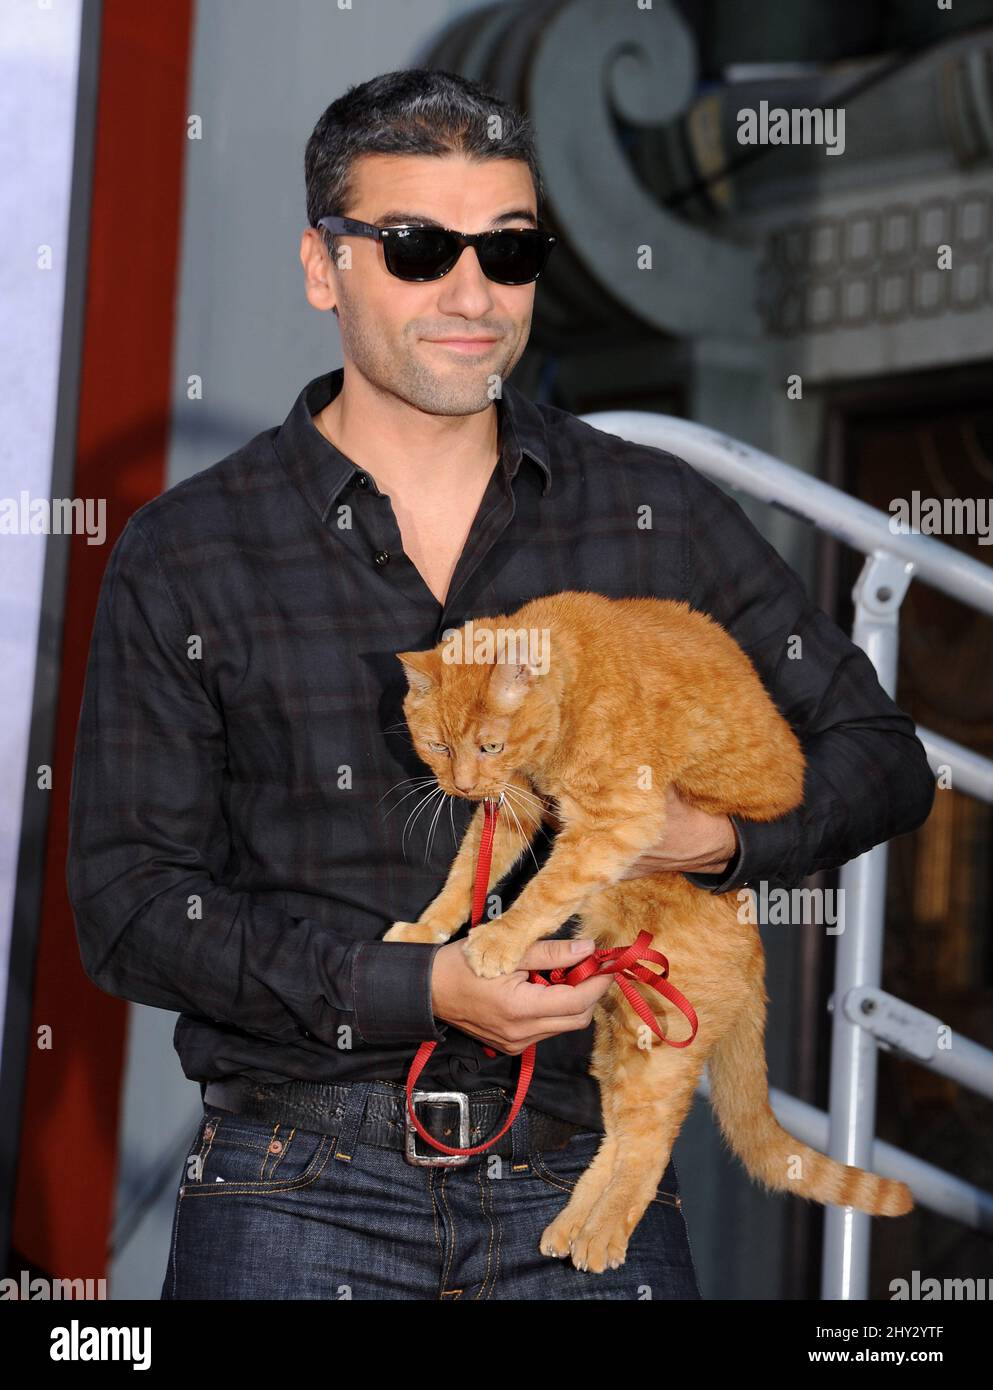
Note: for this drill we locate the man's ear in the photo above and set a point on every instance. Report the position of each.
(423, 670)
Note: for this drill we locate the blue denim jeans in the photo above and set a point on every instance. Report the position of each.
(312, 1216)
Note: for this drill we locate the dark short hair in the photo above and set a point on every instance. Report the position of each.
(411, 111)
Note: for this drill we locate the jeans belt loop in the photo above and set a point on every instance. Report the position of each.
(351, 1121)
(520, 1139)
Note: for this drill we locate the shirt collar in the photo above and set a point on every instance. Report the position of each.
(320, 470)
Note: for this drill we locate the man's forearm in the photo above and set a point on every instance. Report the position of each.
(253, 967)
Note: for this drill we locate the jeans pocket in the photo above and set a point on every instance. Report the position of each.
(232, 1154)
(562, 1168)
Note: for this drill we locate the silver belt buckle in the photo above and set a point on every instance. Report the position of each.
(411, 1136)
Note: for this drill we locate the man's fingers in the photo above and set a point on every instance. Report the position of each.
(559, 1009)
(531, 1013)
(550, 1002)
(540, 1029)
(550, 955)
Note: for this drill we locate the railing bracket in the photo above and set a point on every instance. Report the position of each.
(895, 1024)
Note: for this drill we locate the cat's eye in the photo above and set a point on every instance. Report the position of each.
(438, 747)
(491, 748)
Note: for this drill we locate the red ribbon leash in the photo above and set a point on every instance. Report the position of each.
(621, 961)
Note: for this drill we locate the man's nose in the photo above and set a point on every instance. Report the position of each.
(465, 291)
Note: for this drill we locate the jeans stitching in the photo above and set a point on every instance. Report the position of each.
(235, 1127)
(237, 1144)
(451, 1223)
(278, 1158)
(304, 1180)
(175, 1242)
(499, 1235)
(224, 1140)
(489, 1215)
(564, 1185)
(266, 1155)
(686, 1231)
(434, 1216)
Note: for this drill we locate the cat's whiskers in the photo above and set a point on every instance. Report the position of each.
(526, 796)
(426, 800)
(400, 728)
(419, 780)
(400, 802)
(508, 793)
(536, 801)
(434, 822)
(520, 832)
(415, 812)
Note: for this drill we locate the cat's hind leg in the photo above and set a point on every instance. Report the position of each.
(609, 918)
(652, 1092)
(557, 1237)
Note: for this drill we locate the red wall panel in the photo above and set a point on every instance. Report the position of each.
(65, 1189)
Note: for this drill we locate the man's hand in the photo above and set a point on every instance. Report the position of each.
(694, 842)
(508, 1012)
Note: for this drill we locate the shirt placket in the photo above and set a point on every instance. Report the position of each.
(374, 536)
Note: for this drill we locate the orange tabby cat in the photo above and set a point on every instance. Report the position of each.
(628, 697)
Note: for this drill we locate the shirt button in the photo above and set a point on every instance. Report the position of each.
(361, 480)
(381, 558)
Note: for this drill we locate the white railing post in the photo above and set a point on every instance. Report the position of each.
(858, 962)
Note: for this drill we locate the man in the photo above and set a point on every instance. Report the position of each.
(238, 845)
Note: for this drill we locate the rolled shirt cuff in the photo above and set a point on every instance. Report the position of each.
(765, 849)
(391, 991)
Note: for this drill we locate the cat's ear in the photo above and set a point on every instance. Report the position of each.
(423, 670)
(510, 682)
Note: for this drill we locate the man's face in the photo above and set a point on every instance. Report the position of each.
(390, 327)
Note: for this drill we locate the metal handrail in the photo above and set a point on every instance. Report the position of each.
(792, 490)
(894, 557)
(971, 772)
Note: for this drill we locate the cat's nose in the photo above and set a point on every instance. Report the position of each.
(464, 790)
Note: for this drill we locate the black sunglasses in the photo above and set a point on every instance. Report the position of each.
(510, 256)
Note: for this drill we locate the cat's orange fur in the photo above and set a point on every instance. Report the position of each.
(639, 694)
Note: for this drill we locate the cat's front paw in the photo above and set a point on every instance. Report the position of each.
(429, 932)
(492, 950)
(594, 1245)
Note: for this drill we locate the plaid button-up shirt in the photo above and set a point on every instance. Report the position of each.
(233, 853)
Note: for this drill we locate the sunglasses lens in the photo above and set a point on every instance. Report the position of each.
(420, 253)
(513, 257)
(427, 253)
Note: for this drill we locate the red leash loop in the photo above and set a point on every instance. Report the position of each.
(619, 960)
(622, 961)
